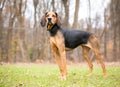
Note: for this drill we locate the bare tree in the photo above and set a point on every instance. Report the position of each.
(75, 23)
(89, 19)
(2, 4)
(53, 5)
(115, 24)
(35, 45)
(66, 7)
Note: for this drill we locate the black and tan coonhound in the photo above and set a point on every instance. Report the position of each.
(62, 40)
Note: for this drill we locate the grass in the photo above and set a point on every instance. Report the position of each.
(47, 76)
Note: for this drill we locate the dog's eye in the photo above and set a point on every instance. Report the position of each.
(47, 15)
(53, 16)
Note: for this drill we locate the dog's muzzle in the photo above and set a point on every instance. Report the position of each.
(49, 19)
(49, 22)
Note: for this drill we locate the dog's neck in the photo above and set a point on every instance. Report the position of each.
(54, 29)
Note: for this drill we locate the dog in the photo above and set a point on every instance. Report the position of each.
(62, 40)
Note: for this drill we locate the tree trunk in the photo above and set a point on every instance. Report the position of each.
(35, 45)
(66, 6)
(1, 30)
(115, 23)
(53, 5)
(89, 19)
(75, 23)
(22, 43)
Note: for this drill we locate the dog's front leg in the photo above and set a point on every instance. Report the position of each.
(63, 68)
(60, 60)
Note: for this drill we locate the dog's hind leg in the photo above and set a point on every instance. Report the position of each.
(99, 57)
(85, 52)
(96, 49)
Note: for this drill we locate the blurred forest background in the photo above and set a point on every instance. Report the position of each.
(22, 39)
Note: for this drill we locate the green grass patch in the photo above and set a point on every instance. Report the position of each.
(48, 76)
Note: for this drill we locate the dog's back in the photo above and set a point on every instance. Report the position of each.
(74, 38)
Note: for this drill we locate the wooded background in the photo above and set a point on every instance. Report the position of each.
(22, 39)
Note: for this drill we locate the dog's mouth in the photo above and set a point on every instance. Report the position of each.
(49, 25)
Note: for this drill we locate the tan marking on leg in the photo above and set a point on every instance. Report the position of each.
(56, 54)
(96, 49)
(85, 52)
(59, 52)
(63, 61)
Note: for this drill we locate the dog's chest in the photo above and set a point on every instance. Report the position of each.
(58, 39)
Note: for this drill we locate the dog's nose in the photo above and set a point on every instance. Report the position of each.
(49, 19)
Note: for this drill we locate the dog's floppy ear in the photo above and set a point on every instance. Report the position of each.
(43, 20)
(58, 19)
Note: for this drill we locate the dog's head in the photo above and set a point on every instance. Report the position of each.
(50, 18)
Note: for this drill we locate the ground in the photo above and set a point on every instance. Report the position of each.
(47, 75)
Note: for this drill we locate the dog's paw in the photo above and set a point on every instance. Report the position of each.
(105, 75)
(89, 74)
(63, 78)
